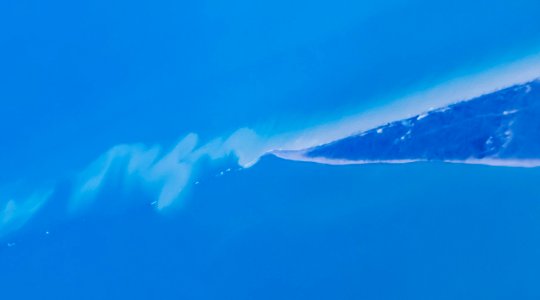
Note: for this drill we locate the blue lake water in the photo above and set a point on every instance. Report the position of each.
(299, 230)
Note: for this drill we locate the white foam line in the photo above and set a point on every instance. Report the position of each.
(495, 162)
(300, 156)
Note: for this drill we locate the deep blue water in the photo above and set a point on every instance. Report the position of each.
(80, 77)
(295, 230)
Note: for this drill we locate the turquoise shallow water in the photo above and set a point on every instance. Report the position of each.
(299, 230)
